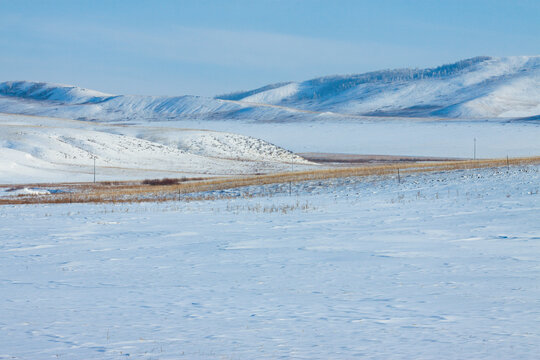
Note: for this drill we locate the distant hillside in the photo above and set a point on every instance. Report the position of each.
(476, 88)
(66, 94)
(36, 98)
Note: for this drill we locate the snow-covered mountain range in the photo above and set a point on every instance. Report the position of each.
(37, 98)
(480, 87)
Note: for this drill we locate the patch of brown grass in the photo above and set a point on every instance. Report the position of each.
(169, 189)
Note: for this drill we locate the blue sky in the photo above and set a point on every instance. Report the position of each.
(206, 47)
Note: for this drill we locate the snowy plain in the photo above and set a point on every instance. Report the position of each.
(494, 138)
(440, 266)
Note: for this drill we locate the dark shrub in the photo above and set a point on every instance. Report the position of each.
(165, 181)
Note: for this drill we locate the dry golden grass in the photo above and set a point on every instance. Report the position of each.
(118, 192)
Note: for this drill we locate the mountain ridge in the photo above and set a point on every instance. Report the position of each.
(477, 88)
(380, 75)
(454, 90)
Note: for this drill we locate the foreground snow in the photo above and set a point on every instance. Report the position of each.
(441, 266)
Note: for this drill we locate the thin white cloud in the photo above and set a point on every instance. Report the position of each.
(224, 47)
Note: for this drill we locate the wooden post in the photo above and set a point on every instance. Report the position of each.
(290, 181)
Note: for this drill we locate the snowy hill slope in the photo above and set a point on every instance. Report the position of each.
(480, 87)
(39, 149)
(54, 100)
(66, 94)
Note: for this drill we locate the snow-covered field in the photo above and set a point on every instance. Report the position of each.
(494, 139)
(440, 266)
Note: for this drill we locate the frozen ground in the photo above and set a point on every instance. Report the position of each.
(441, 266)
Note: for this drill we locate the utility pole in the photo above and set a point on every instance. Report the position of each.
(290, 181)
